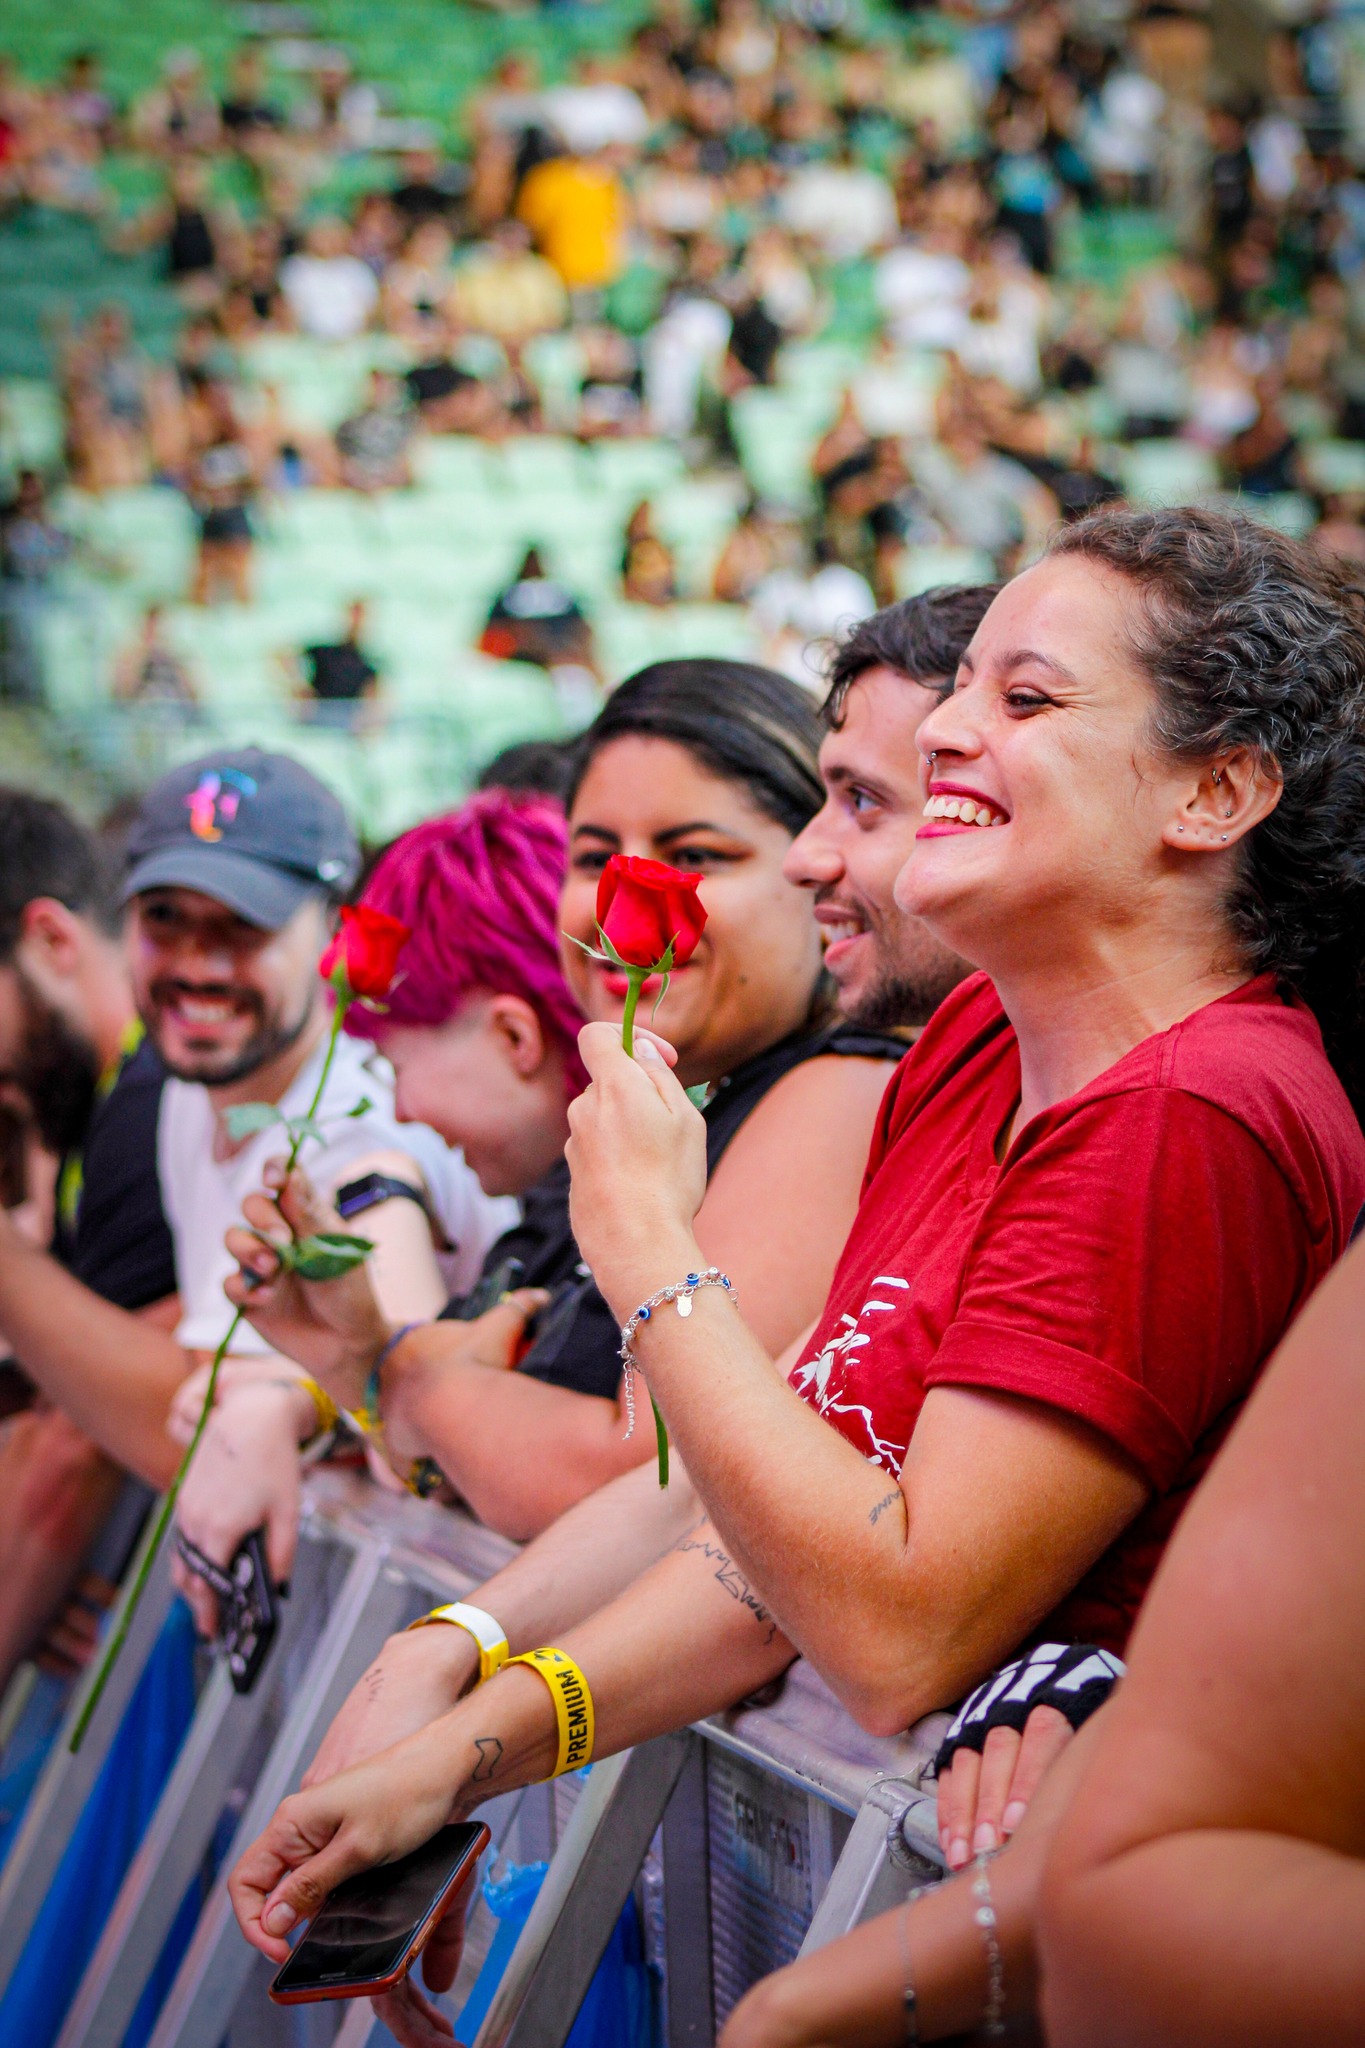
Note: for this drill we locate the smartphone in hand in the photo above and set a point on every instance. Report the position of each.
(368, 1933)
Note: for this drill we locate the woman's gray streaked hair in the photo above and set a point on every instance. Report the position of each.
(1252, 640)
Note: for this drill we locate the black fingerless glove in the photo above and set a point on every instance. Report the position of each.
(1075, 1678)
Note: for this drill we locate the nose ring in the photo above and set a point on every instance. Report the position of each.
(932, 758)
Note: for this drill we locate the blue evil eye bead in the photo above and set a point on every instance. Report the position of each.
(693, 1278)
(645, 1314)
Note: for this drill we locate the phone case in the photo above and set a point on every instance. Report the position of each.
(374, 1987)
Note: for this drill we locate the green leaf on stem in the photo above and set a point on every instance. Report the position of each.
(362, 1108)
(245, 1119)
(301, 1127)
(699, 1094)
(326, 1255)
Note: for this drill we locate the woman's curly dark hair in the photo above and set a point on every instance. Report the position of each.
(1255, 641)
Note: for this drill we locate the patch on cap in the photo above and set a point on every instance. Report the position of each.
(216, 799)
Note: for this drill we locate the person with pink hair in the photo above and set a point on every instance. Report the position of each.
(481, 1031)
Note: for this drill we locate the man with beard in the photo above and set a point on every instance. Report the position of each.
(889, 672)
(236, 863)
(73, 1049)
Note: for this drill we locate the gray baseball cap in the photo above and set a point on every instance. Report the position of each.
(255, 831)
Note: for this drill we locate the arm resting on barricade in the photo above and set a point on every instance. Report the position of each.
(689, 1639)
(587, 1558)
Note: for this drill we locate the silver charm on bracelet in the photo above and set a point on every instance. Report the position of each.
(993, 2018)
(680, 1294)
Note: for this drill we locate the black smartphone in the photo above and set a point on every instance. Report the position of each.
(367, 1934)
(249, 1615)
(488, 1292)
(248, 1605)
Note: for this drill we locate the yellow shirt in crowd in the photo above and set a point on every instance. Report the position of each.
(577, 213)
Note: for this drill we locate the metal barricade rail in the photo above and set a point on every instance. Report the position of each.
(761, 1832)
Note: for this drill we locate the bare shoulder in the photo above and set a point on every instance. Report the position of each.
(830, 1102)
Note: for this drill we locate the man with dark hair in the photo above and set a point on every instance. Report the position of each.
(889, 672)
(72, 1048)
(921, 637)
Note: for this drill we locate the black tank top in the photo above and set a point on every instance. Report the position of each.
(576, 1342)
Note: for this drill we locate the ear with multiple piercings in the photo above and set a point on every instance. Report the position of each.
(1217, 783)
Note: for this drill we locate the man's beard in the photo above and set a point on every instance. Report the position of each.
(896, 1000)
(266, 1043)
(58, 1071)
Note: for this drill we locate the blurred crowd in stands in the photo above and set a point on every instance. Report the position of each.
(629, 251)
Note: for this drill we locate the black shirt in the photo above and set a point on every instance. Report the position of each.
(340, 672)
(576, 1342)
(118, 1241)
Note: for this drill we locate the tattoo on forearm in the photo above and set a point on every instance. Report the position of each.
(374, 1683)
(883, 1505)
(733, 1580)
(490, 1756)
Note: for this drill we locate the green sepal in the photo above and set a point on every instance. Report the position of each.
(325, 1256)
(699, 1094)
(245, 1119)
(362, 1108)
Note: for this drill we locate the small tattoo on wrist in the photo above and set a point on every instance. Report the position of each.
(490, 1756)
(882, 1506)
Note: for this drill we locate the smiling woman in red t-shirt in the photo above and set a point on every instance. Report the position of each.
(1105, 1179)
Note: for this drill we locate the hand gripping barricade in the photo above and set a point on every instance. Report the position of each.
(758, 1834)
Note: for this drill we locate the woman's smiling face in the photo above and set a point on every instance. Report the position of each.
(1047, 809)
(752, 976)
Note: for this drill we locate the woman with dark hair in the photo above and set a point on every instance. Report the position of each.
(710, 766)
(1105, 1178)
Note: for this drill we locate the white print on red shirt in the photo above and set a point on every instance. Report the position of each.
(822, 1380)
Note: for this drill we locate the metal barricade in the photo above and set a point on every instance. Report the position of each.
(761, 1833)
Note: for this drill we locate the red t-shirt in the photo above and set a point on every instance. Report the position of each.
(1133, 1262)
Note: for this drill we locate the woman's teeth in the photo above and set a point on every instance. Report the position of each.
(835, 932)
(965, 810)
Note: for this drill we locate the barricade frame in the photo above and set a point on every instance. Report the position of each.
(869, 1833)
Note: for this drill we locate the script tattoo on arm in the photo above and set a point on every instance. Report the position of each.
(490, 1756)
(731, 1578)
(882, 1506)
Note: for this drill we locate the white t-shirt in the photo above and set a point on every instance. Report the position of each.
(202, 1196)
(331, 297)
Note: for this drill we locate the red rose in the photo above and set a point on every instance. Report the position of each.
(643, 906)
(365, 951)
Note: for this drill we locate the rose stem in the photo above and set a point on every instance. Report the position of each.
(636, 978)
(149, 1555)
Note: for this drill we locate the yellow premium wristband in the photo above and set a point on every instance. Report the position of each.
(573, 1705)
(493, 1644)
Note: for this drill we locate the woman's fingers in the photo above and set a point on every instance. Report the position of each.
(288, 1871)
(495, 1336)
(957, 1807)
(1046, 1734)
(445, 1944)
(644, 1036)
(411, 2017)
(298, 1201)
(998, 1759)
(201, 1600)
(608, 1065)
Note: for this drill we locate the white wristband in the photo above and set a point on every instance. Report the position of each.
(494, 1648)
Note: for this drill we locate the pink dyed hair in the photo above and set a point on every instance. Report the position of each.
(479, 889)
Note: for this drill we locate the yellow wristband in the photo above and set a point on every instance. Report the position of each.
(573, 1705)
(493, 1644)
(327, 1411)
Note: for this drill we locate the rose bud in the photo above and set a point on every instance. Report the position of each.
(365, 950)
(644, 906)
